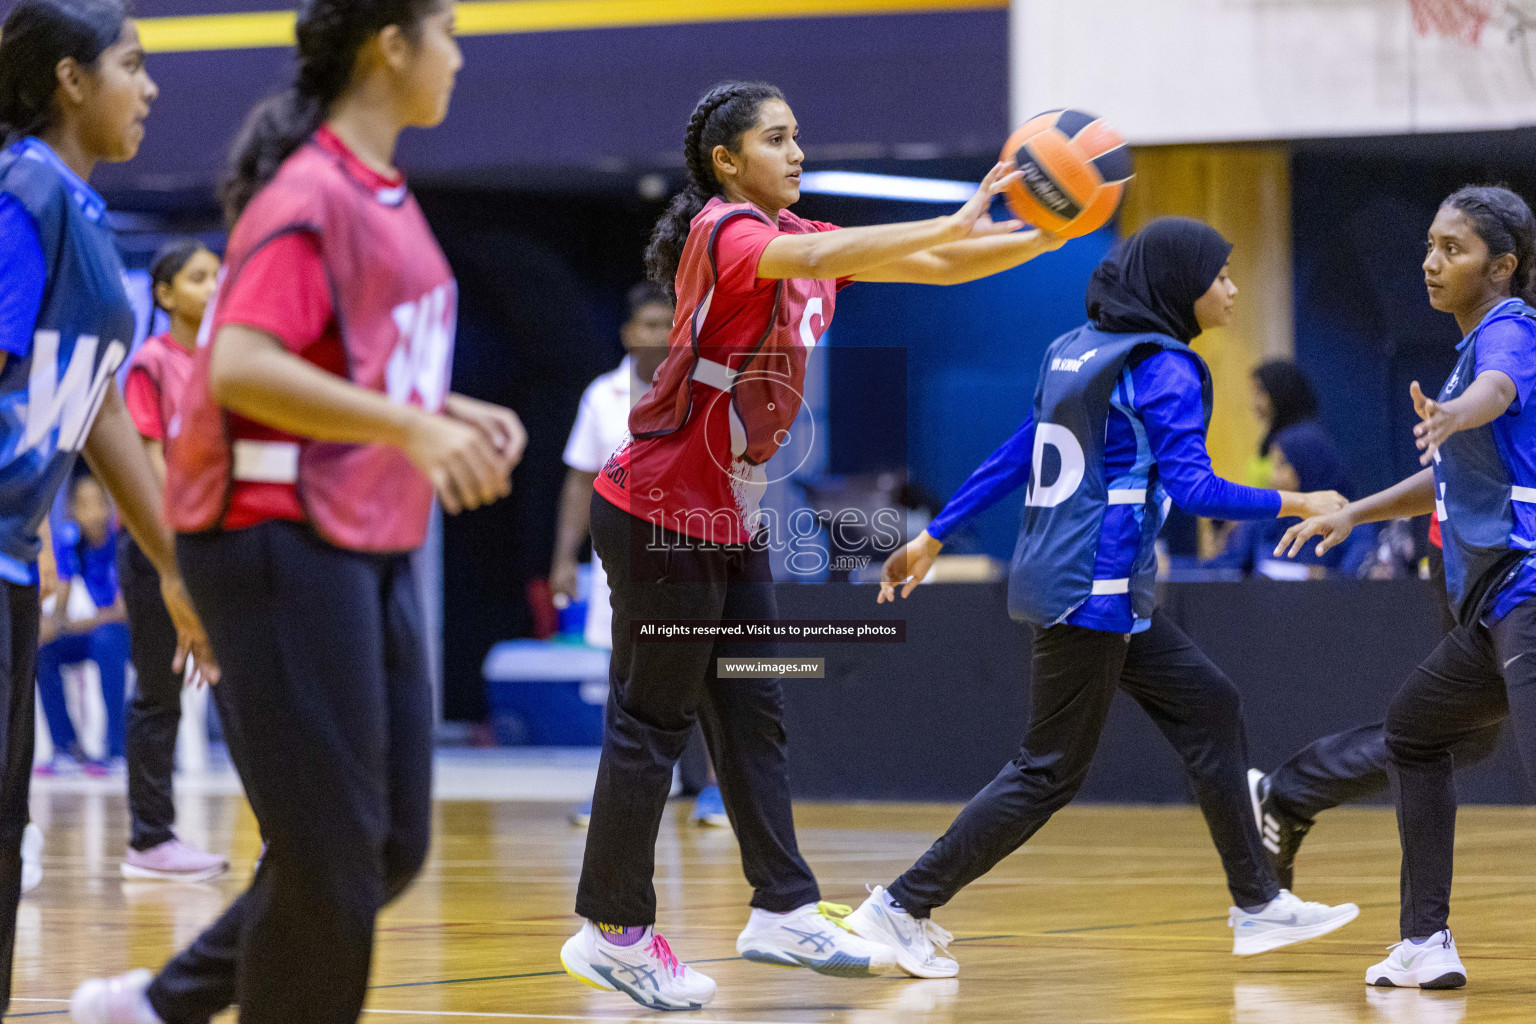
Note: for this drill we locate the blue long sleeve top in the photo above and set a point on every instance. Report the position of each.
(23, 276)
(1165, 392)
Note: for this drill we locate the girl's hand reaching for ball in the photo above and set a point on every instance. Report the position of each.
(974, 219)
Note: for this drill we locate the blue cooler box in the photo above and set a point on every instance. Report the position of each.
(546, 693)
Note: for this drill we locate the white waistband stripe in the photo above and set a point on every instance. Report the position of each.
(716, 375)
(266, 462)
(1526, 494)
(1101, 587)
(1137, 496)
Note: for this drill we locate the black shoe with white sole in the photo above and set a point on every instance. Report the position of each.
(1282, 833)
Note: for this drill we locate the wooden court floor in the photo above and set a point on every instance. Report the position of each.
(1112, 914)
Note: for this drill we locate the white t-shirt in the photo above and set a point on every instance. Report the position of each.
(602, 424)
(603, 418)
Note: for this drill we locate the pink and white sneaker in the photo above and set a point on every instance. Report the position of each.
(118, 1000)
(173, 861)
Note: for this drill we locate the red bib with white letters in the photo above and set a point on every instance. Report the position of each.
(725, 399)
(396, 305)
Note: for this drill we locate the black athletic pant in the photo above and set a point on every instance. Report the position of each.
(1076, 673)
(154, 714)
(1352, 765)
(1474, 680)
(656, 692)
(18, 645)
(326, 694)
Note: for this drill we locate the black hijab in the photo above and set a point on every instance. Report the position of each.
(1150, 282)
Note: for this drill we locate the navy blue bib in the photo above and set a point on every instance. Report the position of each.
(1474, 491)
(1052, 573)
(49, 398)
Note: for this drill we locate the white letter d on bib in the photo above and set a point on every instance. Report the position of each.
(1072, 466)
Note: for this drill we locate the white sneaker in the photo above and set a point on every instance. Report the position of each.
(1287, 920)
(1410, 1006)
(917, 943)
(31, 857)
(1432, 963)
(118, 1000)
(647, 972)
(814, 936)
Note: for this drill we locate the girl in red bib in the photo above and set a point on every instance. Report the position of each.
(314, 430)
(674, 517)
(183, 276)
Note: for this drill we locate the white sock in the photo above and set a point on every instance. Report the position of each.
(143, 1012)
(890, 904)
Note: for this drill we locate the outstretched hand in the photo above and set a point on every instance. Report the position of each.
(974, 219)
(1331, 529)
(1437, 422)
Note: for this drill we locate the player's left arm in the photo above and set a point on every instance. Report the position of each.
(1485, 400)
(967, 260)
(115, 453)
(1505, 381)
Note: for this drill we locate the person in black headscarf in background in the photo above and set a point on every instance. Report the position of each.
(1298, 455)
(1117, 433)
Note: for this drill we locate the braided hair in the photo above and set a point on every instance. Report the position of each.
(1505, 224)
(330, 34)
(37, 35)
(721, 118)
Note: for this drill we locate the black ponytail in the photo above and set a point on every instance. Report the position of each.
(330, 34)
(721, 118)
(36, 36)
(171, 259)
(1505, 224)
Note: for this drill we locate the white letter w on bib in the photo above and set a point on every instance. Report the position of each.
(68, 402)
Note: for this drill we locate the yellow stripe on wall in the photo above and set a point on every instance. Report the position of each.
(255, 30)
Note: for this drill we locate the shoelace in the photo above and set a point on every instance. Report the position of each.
(659, 950)
(936, 935)
(1286, 896)
(834, 914)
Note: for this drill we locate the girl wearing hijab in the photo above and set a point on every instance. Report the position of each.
(1282, 398)
(1117, 432)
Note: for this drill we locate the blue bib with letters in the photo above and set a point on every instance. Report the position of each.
(1058, 546)
(1475, 492)
(49, 398)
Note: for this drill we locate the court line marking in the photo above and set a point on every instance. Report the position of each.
(561, 1016)
(1207, 920)
(248, 30)
(548, 974)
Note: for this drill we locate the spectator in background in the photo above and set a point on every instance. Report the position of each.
(1282, 398)
(1295, 454)
(1301, 458)
(86, 623)
(602, 421)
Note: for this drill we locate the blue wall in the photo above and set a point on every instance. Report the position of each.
(972, 355)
